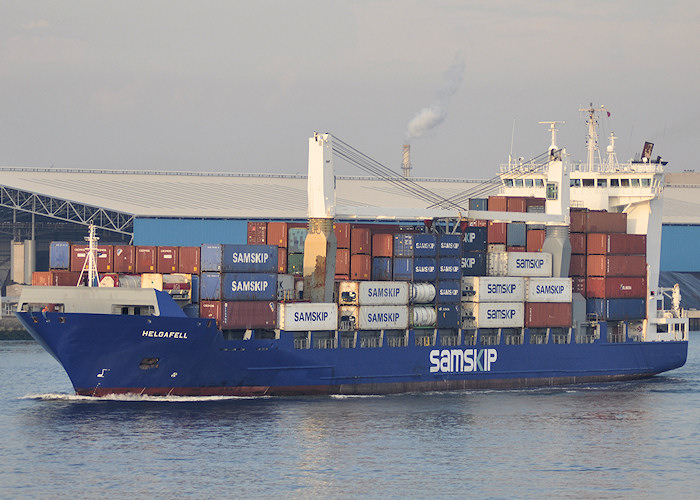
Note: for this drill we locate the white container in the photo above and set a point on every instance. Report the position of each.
(496, 248)
(529, 264)
(307, 316)
(493, 289)
(383, 293)
(348, 293)
(423, 316)
(548, 290)
(422, 293)
(382, 317)
(152, 280)
(497, 263)
(285, 287)
(493, 315)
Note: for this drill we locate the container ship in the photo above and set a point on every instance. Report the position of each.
(553, 281)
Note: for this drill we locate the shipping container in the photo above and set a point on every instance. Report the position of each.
(496, 248)
(249, 259)
(110, 280)
(421, 293)
(498, 204)
(210, 257)
(530, 264)
(403, 268)
(448, 291)
(616, 265)
(211, 309)
(534, 203)
(547, 315)
(124, 259)
(104, 257)
(577, 265)
(129, 281)
(473, 264)
(616, 287)
(281, 260)
(360, 241)
(474, 239)
(195, 287)
(617, 309)
(449, 245)
(188, 232)
(381, 268)
(341, 277)
(187, 260)
(277, 234)
(493, 315)
(516, 204)
(285, 287)
(425, 245)
(257, 233)
(403, 245)
(448, 315)
(59, 255)
(56, 277)
(342, 234)
(422, 317)
(167, 260)
(493, 289)
(295, 264)
(449, 268)
(478, 204)
(382, 245)
(535, 239)
(152, 280)
(597, 222)
(342, 261)
(382, 317)
(305, 316)
(548, 290)
(516, 234)
(178, 285)
(516, 249)
(373, 293)
(296, 237)
(578, 243)
(616, 243)
(497, 264)
(247, 315)
(361, 267)
(248, 286)
(578, 285)
(497, 232)
(424, 269)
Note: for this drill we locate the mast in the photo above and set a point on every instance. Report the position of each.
(90, 264)
(592, 135)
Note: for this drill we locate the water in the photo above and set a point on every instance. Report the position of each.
(636, 439)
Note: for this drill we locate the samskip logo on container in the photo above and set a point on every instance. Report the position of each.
(312, 316)
(529, 263)
(249, 286)
(249, 257)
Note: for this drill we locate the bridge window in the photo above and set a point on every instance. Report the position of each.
(634, 183)
(539, 183)
(509, 183)
(588, 183)
(575, 182)
(528, 183)
(614, 183)
(624, 183)
(646, 182)
(518, 183)
(602, 183)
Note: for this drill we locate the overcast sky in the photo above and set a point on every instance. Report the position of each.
(240, 86)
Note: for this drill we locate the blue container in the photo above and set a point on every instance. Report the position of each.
(403, 245)
(209, 286)
(59, 255)
(296, 236)
(449, 268)
(424, 269)
(475, 239)
(210, 257)
(474, 264)
(424, 245)
(448, 292)
(195, 288)
(403, 269)
(249, 259)
(188, 232)
(248, 286)
(617, 309)
(478, 203)
(450, 245)
(516, 234)
(448, 315)
(381, 268)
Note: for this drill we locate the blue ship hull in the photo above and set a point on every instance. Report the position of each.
(159, 355)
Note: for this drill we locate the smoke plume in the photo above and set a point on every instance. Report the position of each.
(433, 115)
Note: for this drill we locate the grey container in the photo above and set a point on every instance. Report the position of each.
(516, 234)
(478, 203)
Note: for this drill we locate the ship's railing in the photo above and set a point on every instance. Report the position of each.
(631, 167)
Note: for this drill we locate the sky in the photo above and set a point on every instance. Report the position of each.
(234, 86)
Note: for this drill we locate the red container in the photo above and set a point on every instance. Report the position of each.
(125, 258)
(617, 243)
(616, 288)
(578, 243)
(475, 223)
(535, 239)
(342, 234)
(616, 265)
(547, 314)
(105, 258)
(342, 261)
(497, 233)
(257, 233)
(577, 265)
(167, 260)
(516, 249)
(360, 241)
(146, 259)
(277, 234)
(211, 309)
(55, 278)
(516, 204)
(281, 260)
(342, 277)
(598, 222)
(360, 267)
(188, 260)
(536, 202)
(578, 285)
(245, 315)
(498, 203)
(382, 245)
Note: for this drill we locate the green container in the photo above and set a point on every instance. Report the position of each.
(295, 239)
(295, 264)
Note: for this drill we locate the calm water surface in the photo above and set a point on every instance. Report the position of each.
(628, 440)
